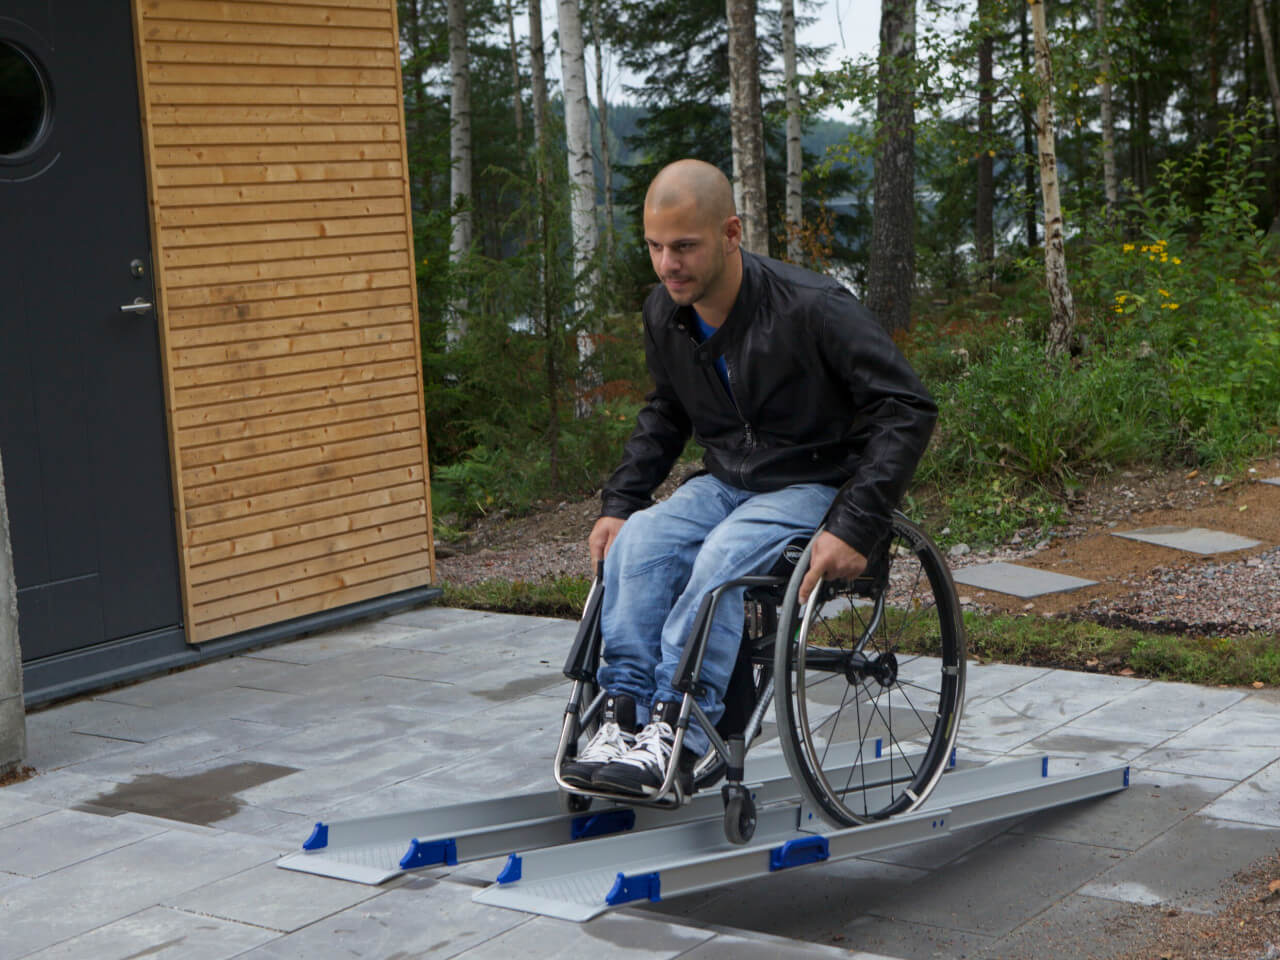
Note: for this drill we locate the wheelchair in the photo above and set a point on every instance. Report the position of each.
(866, 682)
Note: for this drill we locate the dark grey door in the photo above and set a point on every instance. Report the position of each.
(82, 427)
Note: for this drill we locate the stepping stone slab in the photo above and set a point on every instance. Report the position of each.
(1016, 580)
(1192, 539)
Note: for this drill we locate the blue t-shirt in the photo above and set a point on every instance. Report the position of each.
(705, 330)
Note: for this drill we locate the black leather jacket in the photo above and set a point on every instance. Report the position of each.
(819, 394)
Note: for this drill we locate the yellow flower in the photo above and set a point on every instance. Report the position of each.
(1119, 309)
(1173, 306)
(1176, 260)
(1121, 297)
(1151, 256)
(1164, 258)
(1163, 293)
(1127, 248)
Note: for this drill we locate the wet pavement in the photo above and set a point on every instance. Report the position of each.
(160, 808)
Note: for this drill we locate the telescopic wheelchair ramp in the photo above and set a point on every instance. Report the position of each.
(576, 866)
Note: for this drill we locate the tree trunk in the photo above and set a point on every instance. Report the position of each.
(1028, 137)
(1062, 312)
(1109, 180)
(891, 271)
(747, 123)
(795, 153)
(602, 110)
(13, 717)
(518, 100)
(1268, 57)
(459, 153)
(984, 220)
(548, 322)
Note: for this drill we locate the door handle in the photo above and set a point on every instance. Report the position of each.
(138, 306)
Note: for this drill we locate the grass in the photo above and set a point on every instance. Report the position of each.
(1001, 638)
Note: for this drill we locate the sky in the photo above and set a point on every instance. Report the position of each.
(849, 27)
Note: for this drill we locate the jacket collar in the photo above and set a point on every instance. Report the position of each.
(740, 314)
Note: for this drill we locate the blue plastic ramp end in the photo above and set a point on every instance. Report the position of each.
(511, 872)
(953, 757)
(640, 887)
(430, 853)
(601, 824)
(797, 852)
(1126, 776)
(1044, 766)
(879, 748)
(319, 838)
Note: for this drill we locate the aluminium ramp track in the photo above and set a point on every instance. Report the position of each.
(375, 849)
(582, 881)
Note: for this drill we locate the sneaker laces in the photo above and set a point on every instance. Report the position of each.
(652, 747)
(609, 743)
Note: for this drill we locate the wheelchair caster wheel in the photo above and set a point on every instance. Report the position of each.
(739, 814)
(572, 803)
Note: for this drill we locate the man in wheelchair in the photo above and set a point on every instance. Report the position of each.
(810, 417)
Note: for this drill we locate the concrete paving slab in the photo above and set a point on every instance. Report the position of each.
(932, 854)
(35, 847)
(1185, 866)
(1152, 805)
(159, 934)
(982, 680)
(1191, 539)
(1153, 712)
(1257, 800)
(16, 809)
(625, 936)
(1234, 743)
(1274, 481)
(1029, 872)
(335, 741)
(182, 750)
(423, 918)
(1078, 926)
(1017, 580)
(207, 678)
(61, 788)
(913, 941)
(56, 749)
(116, 884)
(727, 946)
(334, 643)
(276, 899)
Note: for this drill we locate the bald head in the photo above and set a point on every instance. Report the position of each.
(692, 182)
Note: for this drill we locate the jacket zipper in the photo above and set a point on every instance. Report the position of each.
(746, 424)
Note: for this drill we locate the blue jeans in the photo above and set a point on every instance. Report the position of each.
(666, 558)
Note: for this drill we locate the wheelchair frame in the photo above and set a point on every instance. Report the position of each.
(727, 754)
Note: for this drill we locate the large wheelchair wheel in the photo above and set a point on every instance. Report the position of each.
(870, 681)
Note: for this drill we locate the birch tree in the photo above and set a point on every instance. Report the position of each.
(747, 124)
(984, 225)
(517, 99)
(1268, 57)
(1109, 182)
(577, 121)
(795, 205)
(891, 270)
(1062, 312)
(602, 112)
(459, 153)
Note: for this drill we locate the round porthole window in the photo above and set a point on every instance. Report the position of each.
(24, 103)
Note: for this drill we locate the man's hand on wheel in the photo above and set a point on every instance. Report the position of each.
(602, 536)
(831, 558)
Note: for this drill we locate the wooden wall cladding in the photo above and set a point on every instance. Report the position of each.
(287, 299)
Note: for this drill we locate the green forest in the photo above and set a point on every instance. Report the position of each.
(1140, 326)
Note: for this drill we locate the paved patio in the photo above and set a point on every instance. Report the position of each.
(160, 808)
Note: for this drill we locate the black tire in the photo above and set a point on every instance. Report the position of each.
(876, 660)
(572, 803)
(739, 815)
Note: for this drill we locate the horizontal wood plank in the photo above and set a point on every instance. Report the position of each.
(296, 495)
(234, 333)
(320, 360)
(221, 473)
(228, 214)
(301, 344)
(155, 28)
(202, 632)
(216, 74)
(239, 391)
(267, 408)
(224, 95)
(207, 295)
(264, 540)
(305, 513)
(242, 312)
(282, 270)
(275, 583)
(281, 250)
(216, 115)
(175, 238)
(326, 15)
(324, 431)
(283, 556)
(230, 155)
(290, 133)
(249, 54)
